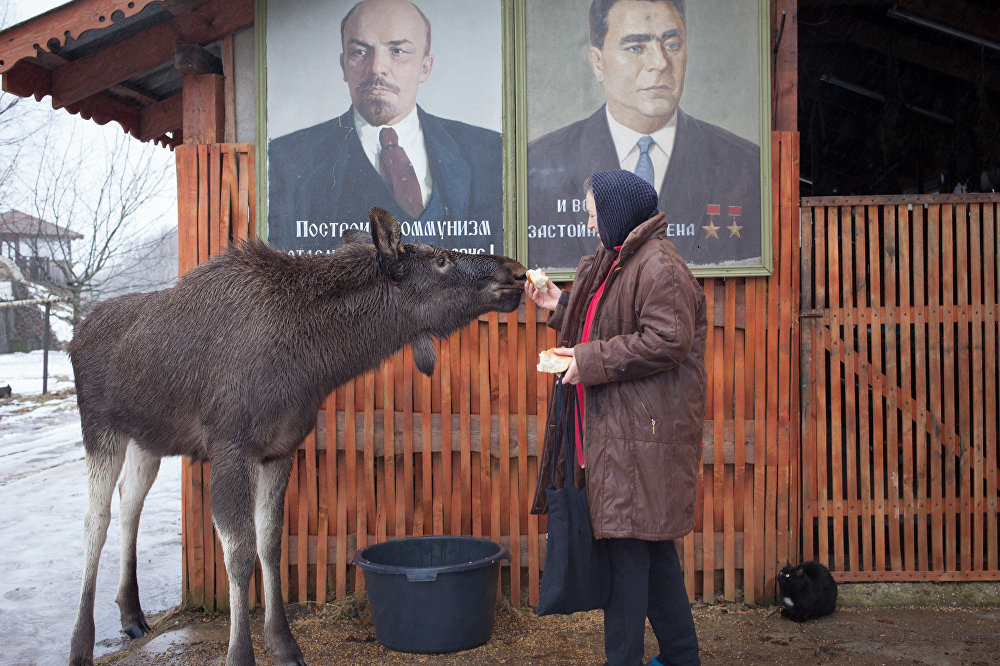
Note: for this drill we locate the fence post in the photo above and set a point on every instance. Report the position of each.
(45, 347)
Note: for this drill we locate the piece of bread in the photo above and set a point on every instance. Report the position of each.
(538, 278)
(549, 361)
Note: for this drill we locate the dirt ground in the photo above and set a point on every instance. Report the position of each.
(343, 633)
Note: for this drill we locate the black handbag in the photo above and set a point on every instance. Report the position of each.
(577, 574)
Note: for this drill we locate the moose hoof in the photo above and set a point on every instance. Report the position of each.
(136, 629)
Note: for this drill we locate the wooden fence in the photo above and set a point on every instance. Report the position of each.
(899, 375)
(395, 453)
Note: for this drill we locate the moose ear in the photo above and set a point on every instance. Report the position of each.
(424, 355)
(386, 236)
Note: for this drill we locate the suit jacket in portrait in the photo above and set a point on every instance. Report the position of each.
(712, 180)
(321, 176)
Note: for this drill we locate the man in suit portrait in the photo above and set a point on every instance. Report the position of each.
(707, 178)
(385, 150)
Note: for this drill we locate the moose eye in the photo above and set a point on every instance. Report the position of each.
(441, 261)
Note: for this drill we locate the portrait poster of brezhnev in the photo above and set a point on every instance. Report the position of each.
(669, 89)
(385, 103)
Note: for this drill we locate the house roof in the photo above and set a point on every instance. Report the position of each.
(113, 60)
(16, 225)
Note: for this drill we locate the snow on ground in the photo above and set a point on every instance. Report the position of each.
(43, 495)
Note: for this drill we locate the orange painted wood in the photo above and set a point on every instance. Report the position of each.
(976, 422)
(990, 295)
(907, 512)
(878, 441)
(889, 265)
(713, 365)
(848, 270)
(920, 364)
(964, 443)
(934, 365)
(948, 360)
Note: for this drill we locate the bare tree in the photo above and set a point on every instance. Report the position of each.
(114, 194)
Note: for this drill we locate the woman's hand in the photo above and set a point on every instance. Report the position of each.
(548, 299)
(572, 374)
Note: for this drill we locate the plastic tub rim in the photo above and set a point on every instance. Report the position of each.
(427, 574)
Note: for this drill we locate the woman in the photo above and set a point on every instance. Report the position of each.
(635, 326)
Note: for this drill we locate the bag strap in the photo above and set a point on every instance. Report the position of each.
(562, 428)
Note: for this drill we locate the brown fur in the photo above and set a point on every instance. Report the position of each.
(232, 363)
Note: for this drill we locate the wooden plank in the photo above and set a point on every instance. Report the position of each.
(961, 394)
(517, 388)
(834, 267)
(990, 251)
(501, 501)
(729, 480)
(165, 116)
(368, 508)
(449, 515)
(949, 389)
(934, 381)
(750, 574)
(976, 400)
(889, 266)
(920, 362)
(485, 471)
(760, 452)
(904, 252)
(739, 493)
(792, 385)
(464, 487)
(850, 266)
(787, 491)
(878, 440)
(426, 458)
(820, 394)
(530, 353)
(713, 364)
(864, 382)
(343, 497)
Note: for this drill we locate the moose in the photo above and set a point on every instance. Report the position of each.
(230, 366)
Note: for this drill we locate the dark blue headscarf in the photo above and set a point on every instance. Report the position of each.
(623, 201)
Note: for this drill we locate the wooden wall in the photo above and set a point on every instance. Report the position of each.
(396, 454)
(900, 366)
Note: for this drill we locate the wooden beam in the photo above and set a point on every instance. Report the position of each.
(784, 61)
(162, 117)
(25, 79)
(69, 20)
(905, 48)
(195, 59)
(204, 108)
(149, 49)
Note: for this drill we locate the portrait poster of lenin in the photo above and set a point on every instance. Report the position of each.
(670, 89)
(385, 103)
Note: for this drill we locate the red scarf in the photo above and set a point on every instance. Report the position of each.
(584, 337)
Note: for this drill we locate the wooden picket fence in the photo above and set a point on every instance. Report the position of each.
(899, 374)
(396, 454)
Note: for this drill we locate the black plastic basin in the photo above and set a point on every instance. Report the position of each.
(432, 594)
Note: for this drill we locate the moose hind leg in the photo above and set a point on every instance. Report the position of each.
(105, 453)
(271, 485)
(140, 472)
(232, 492)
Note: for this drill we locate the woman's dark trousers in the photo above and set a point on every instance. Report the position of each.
(646, 581)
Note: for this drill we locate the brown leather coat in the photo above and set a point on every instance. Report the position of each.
(644, 373)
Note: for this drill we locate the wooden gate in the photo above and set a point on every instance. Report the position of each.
(899, 386)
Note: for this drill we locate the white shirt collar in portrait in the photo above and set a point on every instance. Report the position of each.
(411, 139)
(625, 140)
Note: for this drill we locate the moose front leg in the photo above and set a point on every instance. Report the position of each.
(233, 484)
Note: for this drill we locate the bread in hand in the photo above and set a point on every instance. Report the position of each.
(549, 361)
(538, 278)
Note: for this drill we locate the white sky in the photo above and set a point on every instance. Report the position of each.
(84, 132)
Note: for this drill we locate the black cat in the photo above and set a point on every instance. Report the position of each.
(807, 591)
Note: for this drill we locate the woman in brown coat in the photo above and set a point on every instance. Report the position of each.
(635, 325)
